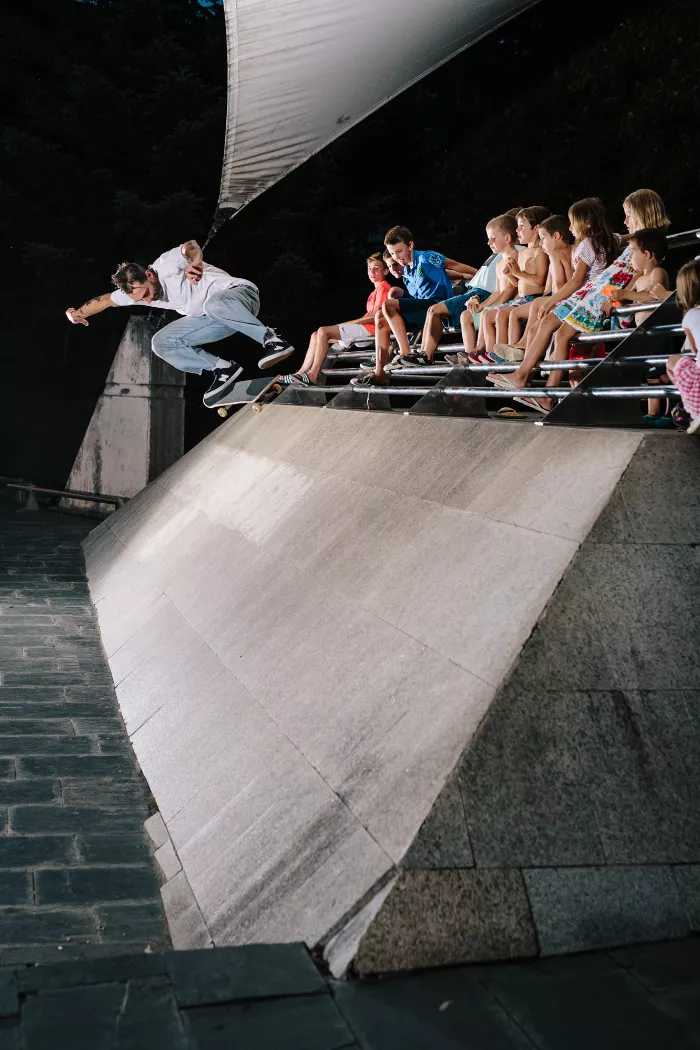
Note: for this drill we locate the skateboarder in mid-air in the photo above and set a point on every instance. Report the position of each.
(213, 304)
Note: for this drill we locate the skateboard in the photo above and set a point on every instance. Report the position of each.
(257, 392)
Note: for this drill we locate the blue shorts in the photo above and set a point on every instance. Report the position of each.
(517, 302)
(458, 303)
(414, 311)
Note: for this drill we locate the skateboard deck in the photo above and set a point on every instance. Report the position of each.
(257, 392)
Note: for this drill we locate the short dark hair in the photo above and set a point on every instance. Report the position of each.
(398, 234)
(556, 224)
(534, 215)
(652, 241)
(127, 275)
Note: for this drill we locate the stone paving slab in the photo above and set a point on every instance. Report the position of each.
(76, 870)
(273, 997)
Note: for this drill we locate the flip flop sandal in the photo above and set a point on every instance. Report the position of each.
(509, 413)
(531, 402)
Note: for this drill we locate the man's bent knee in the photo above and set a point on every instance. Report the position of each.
(160, 345)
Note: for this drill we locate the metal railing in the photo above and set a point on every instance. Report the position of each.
(88, 497)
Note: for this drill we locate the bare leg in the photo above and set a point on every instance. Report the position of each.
(324, 336)
(502, 320)
(466, 323)
(487, 328)
(535, 351)
(392, 312)
(432, 329)
(382, 332)
(561, 353)
(310, 355)
(515, 317)
(532, 323)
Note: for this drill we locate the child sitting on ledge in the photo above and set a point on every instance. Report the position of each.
(684, 369)
(347, 332)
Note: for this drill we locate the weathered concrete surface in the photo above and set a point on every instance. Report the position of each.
(307, 619)
(137, 428)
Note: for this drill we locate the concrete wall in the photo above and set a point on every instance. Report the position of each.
(137, 428)
(309, 617)
(573, 820)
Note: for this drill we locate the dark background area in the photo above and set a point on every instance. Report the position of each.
(112, 148)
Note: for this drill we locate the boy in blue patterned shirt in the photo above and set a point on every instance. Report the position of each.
(424, 275)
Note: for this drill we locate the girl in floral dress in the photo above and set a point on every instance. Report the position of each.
(583, 310)
(684, 369)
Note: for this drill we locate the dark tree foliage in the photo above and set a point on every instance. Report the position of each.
(112, 146)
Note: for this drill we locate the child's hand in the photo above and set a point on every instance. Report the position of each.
(509, 264)
(545, 309)
(473, 305)
(659, 292)
(607, 307)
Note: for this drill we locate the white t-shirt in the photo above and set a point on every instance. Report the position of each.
(179, 295)
(691, 323)
(486, 276)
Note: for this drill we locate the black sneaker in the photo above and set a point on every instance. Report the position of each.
(224, 381)
(276, 349)
(416, 359)
(368, 379)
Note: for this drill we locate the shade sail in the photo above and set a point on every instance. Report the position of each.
(301, 72)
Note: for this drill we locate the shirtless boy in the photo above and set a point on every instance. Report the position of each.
(530, 269)
(648, 247)
(553, 234)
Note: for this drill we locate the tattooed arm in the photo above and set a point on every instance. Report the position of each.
(92, 306)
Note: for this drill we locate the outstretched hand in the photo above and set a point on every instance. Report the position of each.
(194, 271)
(76, 316)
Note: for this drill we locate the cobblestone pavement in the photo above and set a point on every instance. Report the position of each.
(76, 873)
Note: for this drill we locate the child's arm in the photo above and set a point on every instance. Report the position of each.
(578, 279)
(658, 277)
(548, 285)
(461, 269)
(503, 291)
(538, 275)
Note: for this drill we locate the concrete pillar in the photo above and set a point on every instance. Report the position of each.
(137, 428)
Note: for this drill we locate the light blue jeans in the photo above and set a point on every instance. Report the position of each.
(233, 310)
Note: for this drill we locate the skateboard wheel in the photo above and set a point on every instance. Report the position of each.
(257, 408)
(223, 412)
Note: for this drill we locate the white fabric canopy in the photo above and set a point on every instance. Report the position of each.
(301, 72)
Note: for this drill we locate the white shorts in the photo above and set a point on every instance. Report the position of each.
(352, 333)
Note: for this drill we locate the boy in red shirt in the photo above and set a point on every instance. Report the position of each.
(348, 332)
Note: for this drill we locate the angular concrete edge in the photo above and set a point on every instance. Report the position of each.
(185, 921)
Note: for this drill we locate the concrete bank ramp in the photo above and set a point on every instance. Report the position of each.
(317, 625)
